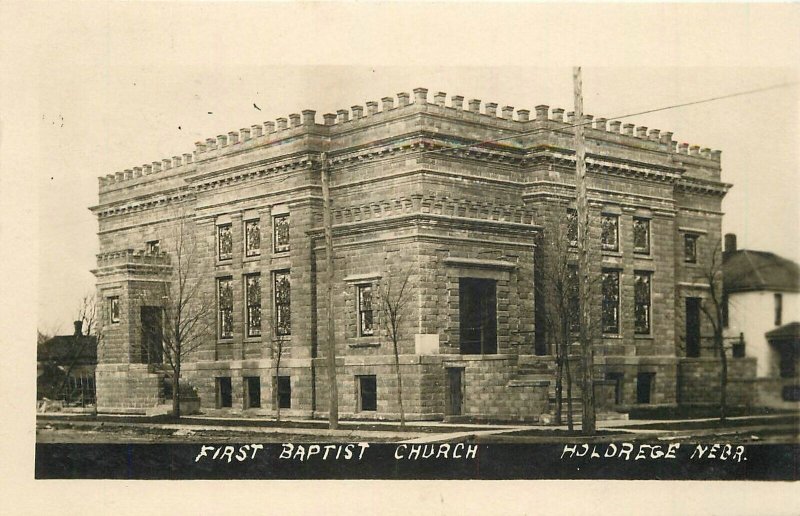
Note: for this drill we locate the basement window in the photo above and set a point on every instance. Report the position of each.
(644, 387)
(367, 393)
(285, 392)
(252, 392)
(224, 392)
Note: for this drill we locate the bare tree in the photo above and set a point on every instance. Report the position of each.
(712, 308)
(277, 352)
(394, 297)
(556, 289)
(188, 311)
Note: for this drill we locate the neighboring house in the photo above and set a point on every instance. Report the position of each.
(65, 368)
(763, 308)
(414, 188)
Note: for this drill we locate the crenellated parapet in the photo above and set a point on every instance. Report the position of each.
(128, 263)
(528, 122)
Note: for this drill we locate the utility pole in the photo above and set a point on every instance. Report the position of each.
(333, 409)
(584, 301)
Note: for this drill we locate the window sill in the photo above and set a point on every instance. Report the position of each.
(357, 345)
(253, 338)
(611, 252)
(615, 336)
(279, 254)
(253, 258)
(644, 336)
(226, 340)
(642, 256)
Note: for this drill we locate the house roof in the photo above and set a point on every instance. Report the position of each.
(65, 347)
(746, 270)
(789, 331)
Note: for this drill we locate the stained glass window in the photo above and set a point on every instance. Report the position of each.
(610, 301)
(572, 227)
(253, 297)
(283, 319)
(113, 308)
(252, 238)
(365, 310)
(225, 303)
(609, 236)
(280, 237)
(641, 295)
(690, 248)
(641, 235)
(225, 242)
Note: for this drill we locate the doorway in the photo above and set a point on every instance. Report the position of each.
(455, 391)
(152, 335)
(693, 326)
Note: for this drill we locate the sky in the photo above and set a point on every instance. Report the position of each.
(89, 88)
(105, 108)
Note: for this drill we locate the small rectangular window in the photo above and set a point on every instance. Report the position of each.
(252, 392)
(225, 304)
(365, 310)
(690, 248)
(283, 302)
(252, 238)
(113, 308)
(609, 235)
(153, 247)
(642, 303)
(610, 313)
(252, 287)
(641, 235)
(224, 242)
(778, 309)
(280, 233)
(619, 382)
(644, 387)
(224, 392)
(367, 393)
(572, 227)
(284, 392)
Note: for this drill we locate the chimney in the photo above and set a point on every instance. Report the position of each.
(78, 328)
(730, 242)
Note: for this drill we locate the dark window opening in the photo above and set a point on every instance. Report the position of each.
(618, 379)
(252, 392)
(641, 235)
(224, 242)
(152, 347)
(365, 310)
(609, 235)
(778, 309)
(693, 327)
(477, 316)
(280, 233)
(253, 299)
(224, 392)
(252, 238)
(153, 247)
(642, 303)
(690, 248)
(788, 361)
(644, 387)
(285, 392)
(367, 393)
(610, 312)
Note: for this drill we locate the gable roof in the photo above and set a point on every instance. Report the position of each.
(66, 347)
(746, 270)
(789, 331)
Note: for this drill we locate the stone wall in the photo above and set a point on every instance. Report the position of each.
(699, 381)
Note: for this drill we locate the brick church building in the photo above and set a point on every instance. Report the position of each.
(456, 197)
